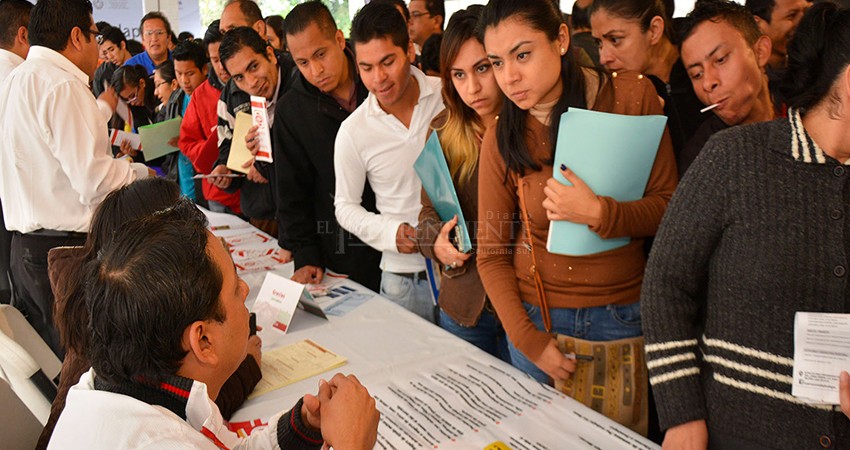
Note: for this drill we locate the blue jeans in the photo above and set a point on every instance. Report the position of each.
(600, 323)
(487, 334)
(413, 294)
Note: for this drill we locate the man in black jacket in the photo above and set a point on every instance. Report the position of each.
(323, 94)
(255, 69)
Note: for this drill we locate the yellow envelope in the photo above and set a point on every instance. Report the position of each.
(239, 153)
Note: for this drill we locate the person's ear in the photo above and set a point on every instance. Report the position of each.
(438, 23)
(563, 39)
(260, 27)
(762, 49)
(76, 39)
(656, 30)
(411, 52)
(197, 341)
(340, 39)
(22, 36)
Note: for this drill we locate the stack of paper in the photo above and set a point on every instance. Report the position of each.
(292, 363)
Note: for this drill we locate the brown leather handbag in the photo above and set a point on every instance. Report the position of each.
(614, 383)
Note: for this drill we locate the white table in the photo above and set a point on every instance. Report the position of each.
(433, 389)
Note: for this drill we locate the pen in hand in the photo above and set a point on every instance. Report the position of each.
(578, 357)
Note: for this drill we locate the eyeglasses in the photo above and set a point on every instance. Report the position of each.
(160, 84)
(157, 33)
(133, 98)
(417, 14)
(97, 35)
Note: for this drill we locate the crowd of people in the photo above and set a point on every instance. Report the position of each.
(742, 222)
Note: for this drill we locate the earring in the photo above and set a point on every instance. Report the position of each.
(563, 51)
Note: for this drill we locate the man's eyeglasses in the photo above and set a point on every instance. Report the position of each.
(417, 14)
(155, 33)
(97, 35)
(133, 98)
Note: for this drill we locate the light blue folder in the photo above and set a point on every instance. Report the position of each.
(437, 181)
(613, 154)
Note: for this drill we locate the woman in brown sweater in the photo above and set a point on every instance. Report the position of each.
(472, 100)
(592, 297)
(138, 199)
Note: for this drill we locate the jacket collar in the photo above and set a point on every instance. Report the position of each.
(171, 393)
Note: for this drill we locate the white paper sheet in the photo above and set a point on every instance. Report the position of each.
(821, 352)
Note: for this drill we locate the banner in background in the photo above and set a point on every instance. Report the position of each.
(126, 14)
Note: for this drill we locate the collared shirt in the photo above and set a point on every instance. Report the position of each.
(374, 145)
(8, 61)
(55, 160)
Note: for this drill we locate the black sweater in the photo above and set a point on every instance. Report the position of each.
(303, 136)
(756, 231)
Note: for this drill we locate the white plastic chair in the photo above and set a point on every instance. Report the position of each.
(27, 363)
(15, 325)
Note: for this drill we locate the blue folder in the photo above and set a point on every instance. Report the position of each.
(437, 181)
(613, 154)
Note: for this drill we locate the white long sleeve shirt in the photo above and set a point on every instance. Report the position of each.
(374, 145)
(55, 160)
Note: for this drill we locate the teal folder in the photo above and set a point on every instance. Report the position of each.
(155, 138)
(613, 154)
(437, 181)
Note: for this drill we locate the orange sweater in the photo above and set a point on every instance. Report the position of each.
(612, 277)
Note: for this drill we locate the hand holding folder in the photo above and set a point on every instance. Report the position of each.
(613, 154)
(433, 170)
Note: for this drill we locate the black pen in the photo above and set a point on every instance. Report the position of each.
(579, 357)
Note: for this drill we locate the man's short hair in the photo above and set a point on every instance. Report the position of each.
(736, 15)
(190, 51)
(436, 8)
(239, 38)
(156, 15)
(14, 14)
(213, 33)
(398, 4)
(113, 35)
(147, 285)
(51, 22)
(377, 21)
(304, 14)
(761, 8)
(102, 25)
(249, 9)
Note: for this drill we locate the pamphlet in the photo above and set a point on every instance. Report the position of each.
(295, 362)
(261, 120)
(821, 352)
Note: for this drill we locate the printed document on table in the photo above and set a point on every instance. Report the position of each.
(295, 362)
(821, 352)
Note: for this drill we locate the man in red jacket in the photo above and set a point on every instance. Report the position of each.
(198, 137)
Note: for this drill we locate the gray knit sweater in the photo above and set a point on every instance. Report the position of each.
(757, 230)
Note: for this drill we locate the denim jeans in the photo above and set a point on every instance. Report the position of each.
(413, 294)
(600, 323)
(487, 334)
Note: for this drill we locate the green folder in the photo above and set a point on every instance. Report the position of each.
(155, 138)
(613, 154)
(437, 181)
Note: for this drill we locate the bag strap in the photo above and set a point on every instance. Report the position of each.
(538, 282)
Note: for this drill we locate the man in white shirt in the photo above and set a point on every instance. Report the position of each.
(380, 141)
(14, 19)
(155, 387)
(55, 160)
